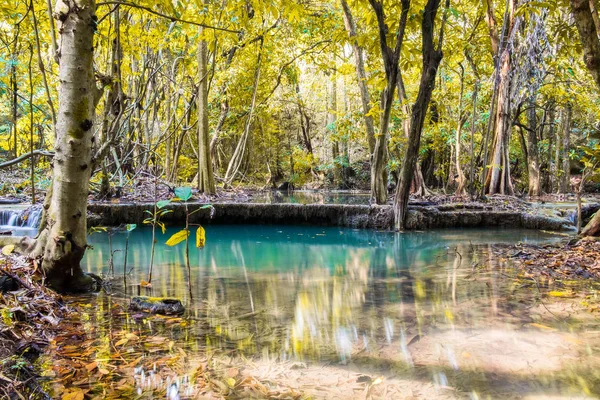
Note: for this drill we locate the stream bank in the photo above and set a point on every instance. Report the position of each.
(381, 217)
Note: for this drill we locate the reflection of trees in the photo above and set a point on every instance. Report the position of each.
(322, 292)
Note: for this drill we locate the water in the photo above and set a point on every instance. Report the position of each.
(20, 220)
(435, 314)
(312, 197)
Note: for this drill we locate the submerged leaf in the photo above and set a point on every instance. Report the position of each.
(200, 237)
(178, 237)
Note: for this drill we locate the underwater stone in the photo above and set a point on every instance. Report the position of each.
(157, 305)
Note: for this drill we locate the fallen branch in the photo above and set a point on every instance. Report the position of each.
(25, 157)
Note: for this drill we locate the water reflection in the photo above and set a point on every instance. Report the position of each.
(436, 313)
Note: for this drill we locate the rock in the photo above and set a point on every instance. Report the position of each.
(10, 201)
(157, 305)
(8, 284)
(286, 186)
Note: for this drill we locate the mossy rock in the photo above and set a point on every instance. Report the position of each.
(156, 305)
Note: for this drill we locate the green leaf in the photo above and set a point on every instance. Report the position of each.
(200, 237)
(178, 237)
(184, 193)
(162, 203)
(130, 227)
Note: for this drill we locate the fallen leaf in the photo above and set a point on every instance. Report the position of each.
(6, 250)
(91, 366)
(74, 394)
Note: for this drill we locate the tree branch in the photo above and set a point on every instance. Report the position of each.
(25, 157)
(169, 17)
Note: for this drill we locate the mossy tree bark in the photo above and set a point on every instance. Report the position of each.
(206, 178)
(62, 241)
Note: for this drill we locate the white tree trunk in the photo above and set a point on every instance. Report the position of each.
(62, 240)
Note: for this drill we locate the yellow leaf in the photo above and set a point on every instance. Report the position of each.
(231, 382)
(555, 293)
(178, 237)
(121, 342)
(200, 237)
(544, 327)
(6, 250)
(74, 394)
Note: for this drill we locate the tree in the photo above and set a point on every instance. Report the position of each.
(206, 179)
(361, 75)
(391, 57)
(588, 33)
(432, 56)
(498, 179)
(62, 240)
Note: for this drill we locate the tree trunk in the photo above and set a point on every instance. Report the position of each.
(331, 129)
(588, 33)
(462, 180)
(498, 179)
(361, 75)
(391, 58)
(566, 164)
(533, 158)
(593, 227)
(206, 178)
(551, 173)
(62, 241)
(432, 57)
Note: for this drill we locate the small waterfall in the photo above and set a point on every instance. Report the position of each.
(572, 216)
(24, 218)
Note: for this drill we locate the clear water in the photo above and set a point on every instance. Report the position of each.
(311, 197)
(435, 314)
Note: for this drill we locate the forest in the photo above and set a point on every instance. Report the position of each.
(252, 189)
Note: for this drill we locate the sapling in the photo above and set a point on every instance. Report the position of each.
(184, 194)
(129, 227)
(154, 220)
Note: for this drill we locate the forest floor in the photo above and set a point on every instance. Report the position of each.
(570, 259)
(31, 316)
